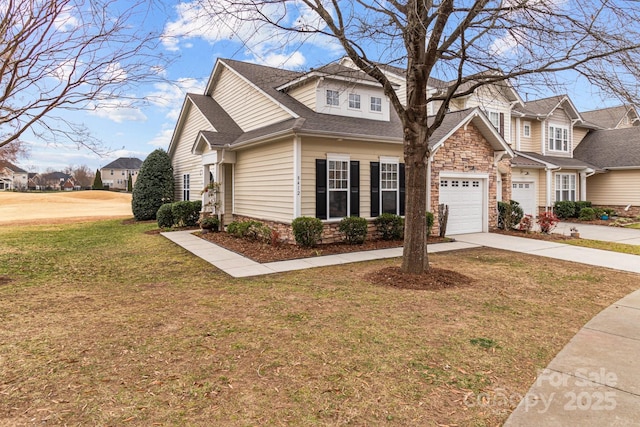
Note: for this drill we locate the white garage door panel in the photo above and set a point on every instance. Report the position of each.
(525, 194)
(464, 198)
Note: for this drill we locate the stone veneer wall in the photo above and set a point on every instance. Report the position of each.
(330, 234)
(633, 211)
(465, 149)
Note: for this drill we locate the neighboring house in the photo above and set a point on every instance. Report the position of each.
(544, 171)
(616, 152)
(12, 177)
(620, 117)
(51, 181)
(116, 174)
(327, 144)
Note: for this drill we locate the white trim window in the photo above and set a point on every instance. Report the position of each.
(354, 101)
(376, 104)
(389, 186)
(526, 129)
(558, 138)
(333, 97)
(186, 186)
(565, 187)
(494, 118)
(338, 185)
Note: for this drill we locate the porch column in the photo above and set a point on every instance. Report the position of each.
(205, 180)
(549, 181)
(583, 186)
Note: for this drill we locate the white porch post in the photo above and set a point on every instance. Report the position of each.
(549, 182)
(205, 180)
(297, 172)
(583, 186)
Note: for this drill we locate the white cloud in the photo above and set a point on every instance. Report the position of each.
(65, 21)
(265, 44)
(117, 111)
(162, 139)
(171, 95)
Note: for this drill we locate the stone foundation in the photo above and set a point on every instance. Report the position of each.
(632, 212)
(330, 233)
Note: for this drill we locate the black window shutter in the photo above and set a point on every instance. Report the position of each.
(321, 188)
(375, 189)
(401, 178)
(502, 124)
(354, 190)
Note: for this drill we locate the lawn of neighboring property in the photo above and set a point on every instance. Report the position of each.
(636, 226)
(607, 246)
(104, 323)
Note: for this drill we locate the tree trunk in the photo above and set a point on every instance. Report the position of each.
(414, 255)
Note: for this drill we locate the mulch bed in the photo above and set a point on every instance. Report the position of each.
(262, 252)
(535, 235)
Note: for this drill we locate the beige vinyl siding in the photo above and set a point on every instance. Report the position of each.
(364, 152)
(305, 94)
(248, 107)
(183, 161)
(489, 98)
(578, 136)
(531, 144)
(228, 192)
(263, 180)
(559, 118)
(621, 187)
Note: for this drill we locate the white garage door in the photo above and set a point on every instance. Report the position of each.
(525, 194)
(464, 197)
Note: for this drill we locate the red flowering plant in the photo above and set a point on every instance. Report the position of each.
(526, 223)
(547, 221)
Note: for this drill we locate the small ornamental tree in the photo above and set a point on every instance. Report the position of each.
(154, 186)
(129, 184)
(97, 181)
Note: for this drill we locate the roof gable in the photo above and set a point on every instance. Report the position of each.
(612, 117)
(124, 163)
(545, 107)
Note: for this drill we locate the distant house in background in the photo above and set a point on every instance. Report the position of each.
(116, 174)
(55, 181)
(12, 177)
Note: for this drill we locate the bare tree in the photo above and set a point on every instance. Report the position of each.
(58, 55)
(471, 43)
(11, 152)
(83, 176)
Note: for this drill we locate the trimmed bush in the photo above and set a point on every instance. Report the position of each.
(390, 226)
(251, 230)
(186, 214)
(307, 231)
(209, 223)
(165, 216)
(154, 186)
(587, 214)
(354, 229)
(430, 222)
(509, 214)
(582, 204)
(565, 209)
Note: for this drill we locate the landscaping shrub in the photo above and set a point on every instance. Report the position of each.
(208, 223)
(509, 214)
(251, 230)
(565, 209)
(354, 229)
(430, 220)
(526, 224)
(165, 216)
(547, 222)
(580, 205)
(154, 186)
(588, 214)
(307, 231)
(390, 226)
(186, 214)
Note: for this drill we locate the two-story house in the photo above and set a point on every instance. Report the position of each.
(326, 143)
(545, 133)
(115, 175)
(12, 177)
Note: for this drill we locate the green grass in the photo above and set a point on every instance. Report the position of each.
(107, 324)
(636, 226)
(607, 246)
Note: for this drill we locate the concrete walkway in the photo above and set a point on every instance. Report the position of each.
(628, 236)
(593, 381)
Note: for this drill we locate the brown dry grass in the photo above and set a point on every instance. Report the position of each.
(103, 324)
(62, 207)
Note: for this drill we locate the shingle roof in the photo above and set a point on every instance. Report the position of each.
(124, 163)
(615, 148)
(523, 162)
(607, 118)
(562, 162)
(540, 107)
(218, 117)
(9, 165)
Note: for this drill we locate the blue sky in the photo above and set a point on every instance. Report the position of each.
(195, 42)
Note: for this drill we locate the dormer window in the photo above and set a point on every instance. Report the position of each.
(333, 97)
(354, 101)
(376, 104)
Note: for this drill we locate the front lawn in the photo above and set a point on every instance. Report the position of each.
(104, 324)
